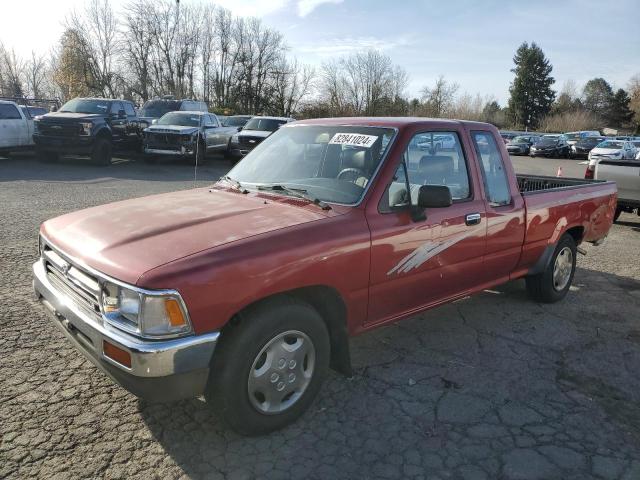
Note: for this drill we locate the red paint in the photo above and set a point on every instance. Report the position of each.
(223, 250)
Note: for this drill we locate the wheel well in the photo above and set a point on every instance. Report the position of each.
(331, 307)
(577, 234)
(104, 133)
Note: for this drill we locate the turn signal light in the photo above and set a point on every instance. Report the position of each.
(174, 312)
(116, 353)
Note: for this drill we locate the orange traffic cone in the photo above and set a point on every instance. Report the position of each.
(559, 172)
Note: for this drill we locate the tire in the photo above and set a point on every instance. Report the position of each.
(47, 156)
(547, 288)
(616, 215)
(101, 153)
(237, 396)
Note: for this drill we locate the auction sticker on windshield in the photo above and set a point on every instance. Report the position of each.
(353, 139)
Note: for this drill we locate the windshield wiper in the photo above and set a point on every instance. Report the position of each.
(296, 192)
(235, 183)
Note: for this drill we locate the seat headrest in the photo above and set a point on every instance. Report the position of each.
(354, 159)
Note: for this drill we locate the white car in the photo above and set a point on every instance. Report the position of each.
(613, 150)
(16, 128)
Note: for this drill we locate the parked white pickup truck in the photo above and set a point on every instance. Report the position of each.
(626, 173)
(16, 128)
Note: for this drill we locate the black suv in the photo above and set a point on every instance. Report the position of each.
(156, 108)
(94, 127)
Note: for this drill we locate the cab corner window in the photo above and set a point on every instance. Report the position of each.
(496, 183)
(431, 158)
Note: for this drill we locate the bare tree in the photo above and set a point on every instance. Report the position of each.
(439, 100)
(11, 73)
(97, 28)
(36, 74)
(291, 83)
(364, 83)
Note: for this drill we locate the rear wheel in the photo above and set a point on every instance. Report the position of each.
(553, 284)
(268, 369)
(101, 153)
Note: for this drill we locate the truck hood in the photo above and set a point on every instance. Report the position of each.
(606, 151)
(69, 117)
(181, 129)
(128, 238)
(255, 133)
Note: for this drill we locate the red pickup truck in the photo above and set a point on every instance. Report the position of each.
(247, 291)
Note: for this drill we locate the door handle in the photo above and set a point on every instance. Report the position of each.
(472, 219)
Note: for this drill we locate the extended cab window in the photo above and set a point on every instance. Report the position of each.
(496, 184)
(431, 158)
(9, 112)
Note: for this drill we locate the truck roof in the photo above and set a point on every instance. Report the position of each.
(396, 122)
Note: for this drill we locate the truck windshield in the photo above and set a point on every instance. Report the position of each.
(157, 108)
(264, 124)
(235, 121)
(86, 105)
(184, 119)
(331, 163)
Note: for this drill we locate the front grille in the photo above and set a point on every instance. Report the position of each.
(58, 129)
(80, 287)
(249, 141)
(164, 141)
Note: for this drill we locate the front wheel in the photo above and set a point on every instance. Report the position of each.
(268, 368)
(201, 153)
(101, 153)
(553, 284)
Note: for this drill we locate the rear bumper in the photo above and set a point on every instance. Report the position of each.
(164, 370)
(72, 145)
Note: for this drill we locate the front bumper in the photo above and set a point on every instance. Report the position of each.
(163, 370)
(183, 152)
(75, 145)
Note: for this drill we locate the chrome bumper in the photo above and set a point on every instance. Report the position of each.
(160, 370)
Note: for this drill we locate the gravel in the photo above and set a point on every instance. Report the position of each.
(492, 386)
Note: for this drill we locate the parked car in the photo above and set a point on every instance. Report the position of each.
(583, 146)
(33, 112)
(94, 127)
(192, 135)
(152, 110)
(508, 136)
(613, 150)
(248, 290)
(636, 145)
(435, 143)
(626, 175)
(521, 144)
(16, 128)
(573, 137)
(238, 121)
(254, 132)
(550, 146)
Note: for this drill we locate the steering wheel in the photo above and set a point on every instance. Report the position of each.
(356, 172)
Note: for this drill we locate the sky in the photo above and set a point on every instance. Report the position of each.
(469, 42)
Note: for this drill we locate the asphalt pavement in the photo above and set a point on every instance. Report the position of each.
(492, 386)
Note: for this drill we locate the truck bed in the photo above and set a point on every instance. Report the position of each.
(531, 184)
(553, 202)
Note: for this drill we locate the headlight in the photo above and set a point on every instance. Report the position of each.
(235, 139)
(145, 313)
(573, 148)
(85, 128)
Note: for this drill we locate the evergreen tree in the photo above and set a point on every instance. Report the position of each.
(598, 97)
(620, 114)
(531, 93)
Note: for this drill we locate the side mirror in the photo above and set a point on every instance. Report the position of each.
(239, 128)
(434, 196)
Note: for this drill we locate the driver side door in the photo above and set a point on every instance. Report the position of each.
(416, 263)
